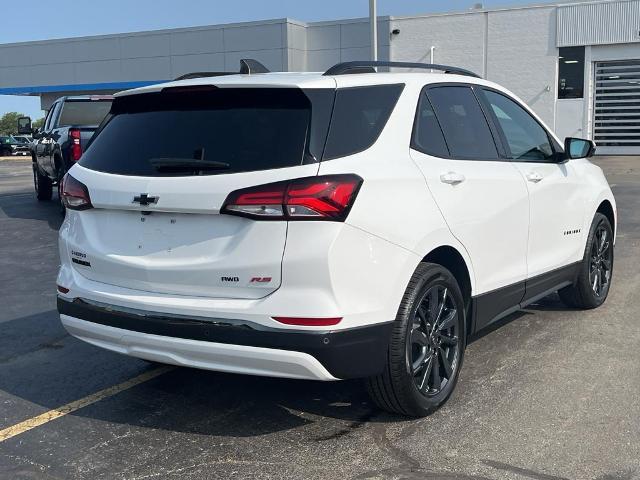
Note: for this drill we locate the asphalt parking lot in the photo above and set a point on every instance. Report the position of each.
(554, 394)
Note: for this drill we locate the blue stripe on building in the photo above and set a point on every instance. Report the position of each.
(77, 87)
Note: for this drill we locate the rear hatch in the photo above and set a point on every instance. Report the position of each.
(159, 170)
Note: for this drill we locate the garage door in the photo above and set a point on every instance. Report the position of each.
(617, 107)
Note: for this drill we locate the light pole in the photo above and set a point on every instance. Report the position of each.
(373, 25)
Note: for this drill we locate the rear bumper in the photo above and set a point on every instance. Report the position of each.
(229, 345)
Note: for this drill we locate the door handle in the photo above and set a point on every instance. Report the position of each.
(534, 177)
(452, 178)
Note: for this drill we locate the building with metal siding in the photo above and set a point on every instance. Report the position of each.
(577, 64)
(610, 108)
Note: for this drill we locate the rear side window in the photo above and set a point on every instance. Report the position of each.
(211, 131)
(427, 134)
(359, 115)
(464, 125)
(88, 113)
(53, 112)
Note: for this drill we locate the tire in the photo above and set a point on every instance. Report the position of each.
(42, 184)
(405, 388)
(596, 266)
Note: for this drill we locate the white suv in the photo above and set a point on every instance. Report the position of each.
(327, 226)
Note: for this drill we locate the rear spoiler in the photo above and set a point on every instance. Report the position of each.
(248, 66)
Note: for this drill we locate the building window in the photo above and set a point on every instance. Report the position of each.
(571, 72)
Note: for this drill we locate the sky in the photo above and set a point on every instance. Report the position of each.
(71, 18)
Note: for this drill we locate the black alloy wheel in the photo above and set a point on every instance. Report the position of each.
(426, 348)
(601, 264)
(432, 352)
(593, 279)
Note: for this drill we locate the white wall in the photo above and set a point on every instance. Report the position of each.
(515, 48)
(144, 56)
(328, 43)
(569, 118)
(458, 40)
(522, 56)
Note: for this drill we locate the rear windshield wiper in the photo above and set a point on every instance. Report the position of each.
(186, 164)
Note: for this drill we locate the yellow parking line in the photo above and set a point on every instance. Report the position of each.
(71, 407)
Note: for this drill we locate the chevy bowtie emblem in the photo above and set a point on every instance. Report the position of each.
(144, 199)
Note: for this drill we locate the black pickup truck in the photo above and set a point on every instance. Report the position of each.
(12, 146)
(69, 125)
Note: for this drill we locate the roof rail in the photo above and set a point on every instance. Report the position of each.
(366, 66)
(248, 66)
(188, 76)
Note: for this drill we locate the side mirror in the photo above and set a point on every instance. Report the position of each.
(35, 133)
(24, 126)
(579, 148)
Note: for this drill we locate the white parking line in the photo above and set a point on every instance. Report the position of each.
(71, 407)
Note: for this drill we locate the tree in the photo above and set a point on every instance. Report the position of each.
(9, 123)
(38, 123)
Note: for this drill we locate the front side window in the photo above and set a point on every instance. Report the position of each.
(465, 127)
(525, 137)
(571, 72)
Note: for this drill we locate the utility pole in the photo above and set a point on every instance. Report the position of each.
(373, 25)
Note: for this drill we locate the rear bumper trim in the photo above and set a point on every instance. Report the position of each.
(198, 354)
(351, 353)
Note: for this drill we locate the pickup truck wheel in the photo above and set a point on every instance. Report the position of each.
(592, 285)
(426, 347)
(42, 184)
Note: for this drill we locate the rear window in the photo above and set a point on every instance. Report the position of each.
(228, 130)
(209, 130)
(359, 116)
(83, 112)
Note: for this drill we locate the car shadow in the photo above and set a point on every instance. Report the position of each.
(24, 205)
(43, 365)
(550, 303)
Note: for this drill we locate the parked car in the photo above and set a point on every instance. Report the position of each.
(350, 224)
(24, 139)
(10, 146)
(68, 127)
